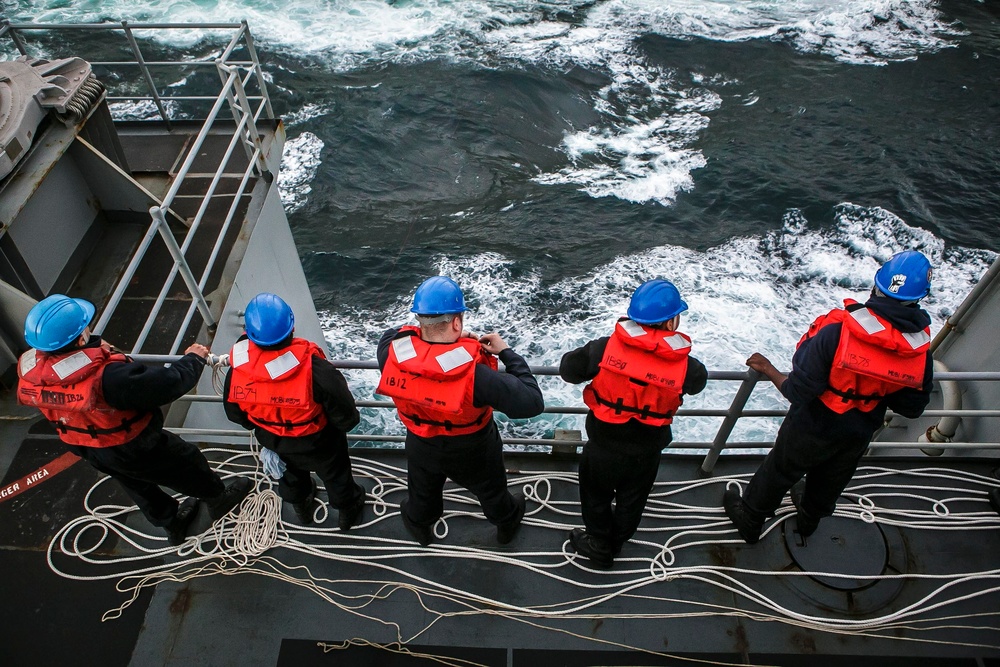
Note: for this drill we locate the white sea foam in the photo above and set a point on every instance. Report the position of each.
(756, 293)
(641, 151)
(299, 163)
(354, 31)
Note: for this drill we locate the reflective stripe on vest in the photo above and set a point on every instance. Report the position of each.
(432, 384)
(68, 390)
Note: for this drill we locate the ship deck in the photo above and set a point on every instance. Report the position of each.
(906, 572)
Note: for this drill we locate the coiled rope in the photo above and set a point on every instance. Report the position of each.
(251, 541)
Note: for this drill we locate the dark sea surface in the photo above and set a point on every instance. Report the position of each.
(551, 156)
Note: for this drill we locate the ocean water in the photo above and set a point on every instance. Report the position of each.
(550, 156)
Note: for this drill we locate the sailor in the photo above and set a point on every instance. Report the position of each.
(445, 384)
(850, 366)
(298, 405)
(105, 408)
(638, 377)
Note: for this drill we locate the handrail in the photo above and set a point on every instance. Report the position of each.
(146, 73)
(682, 412)
(210, 264)
(731, 415)
(117, 26)
(247, 109)
(358, 437)
(188, 239)
(359, 364)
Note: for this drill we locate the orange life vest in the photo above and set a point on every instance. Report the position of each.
(873, 358)
(275, 387)
(641, 375)
(432, 384)
(67, 389)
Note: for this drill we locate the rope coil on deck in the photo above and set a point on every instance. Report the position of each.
(251, 541)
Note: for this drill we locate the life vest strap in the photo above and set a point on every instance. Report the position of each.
(288, 423)
(847, 396)
(644, 412)
(447, 424)
(94, 432)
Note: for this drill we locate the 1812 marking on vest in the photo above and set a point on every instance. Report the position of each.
(393, 381)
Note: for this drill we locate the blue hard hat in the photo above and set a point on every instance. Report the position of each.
(906, 276)
(439, 295)
(268, 319)
(56, 321)
(655, 301)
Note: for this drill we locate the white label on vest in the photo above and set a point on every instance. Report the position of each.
(917, 339)
(70, 364)
(278, 367)
(864, 317)
(241, 353)
(677, 342)
(404, 349)
(28, 361)
(454, 358)
(633, 329)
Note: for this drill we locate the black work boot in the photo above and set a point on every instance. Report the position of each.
(305, 509)
(351, 516)
(594, 549)
(178, 526)
(229, 499)
(507, 530)
(994, 496)
(422, 534)
(748, 527)
(805, 524)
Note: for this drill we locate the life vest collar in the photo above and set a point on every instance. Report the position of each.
(661, 341)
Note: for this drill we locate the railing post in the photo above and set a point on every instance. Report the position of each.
(182, 266)
(251, 129)
(256, 63)
(15, 37)
(732, 416)
(145, 72)
(225, 73)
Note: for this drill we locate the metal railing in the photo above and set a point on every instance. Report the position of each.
(730, 416)
(236, 75)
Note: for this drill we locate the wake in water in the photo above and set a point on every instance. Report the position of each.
(642, 150)
(749, 294)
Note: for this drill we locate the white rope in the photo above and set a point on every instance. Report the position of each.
(671, 545)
